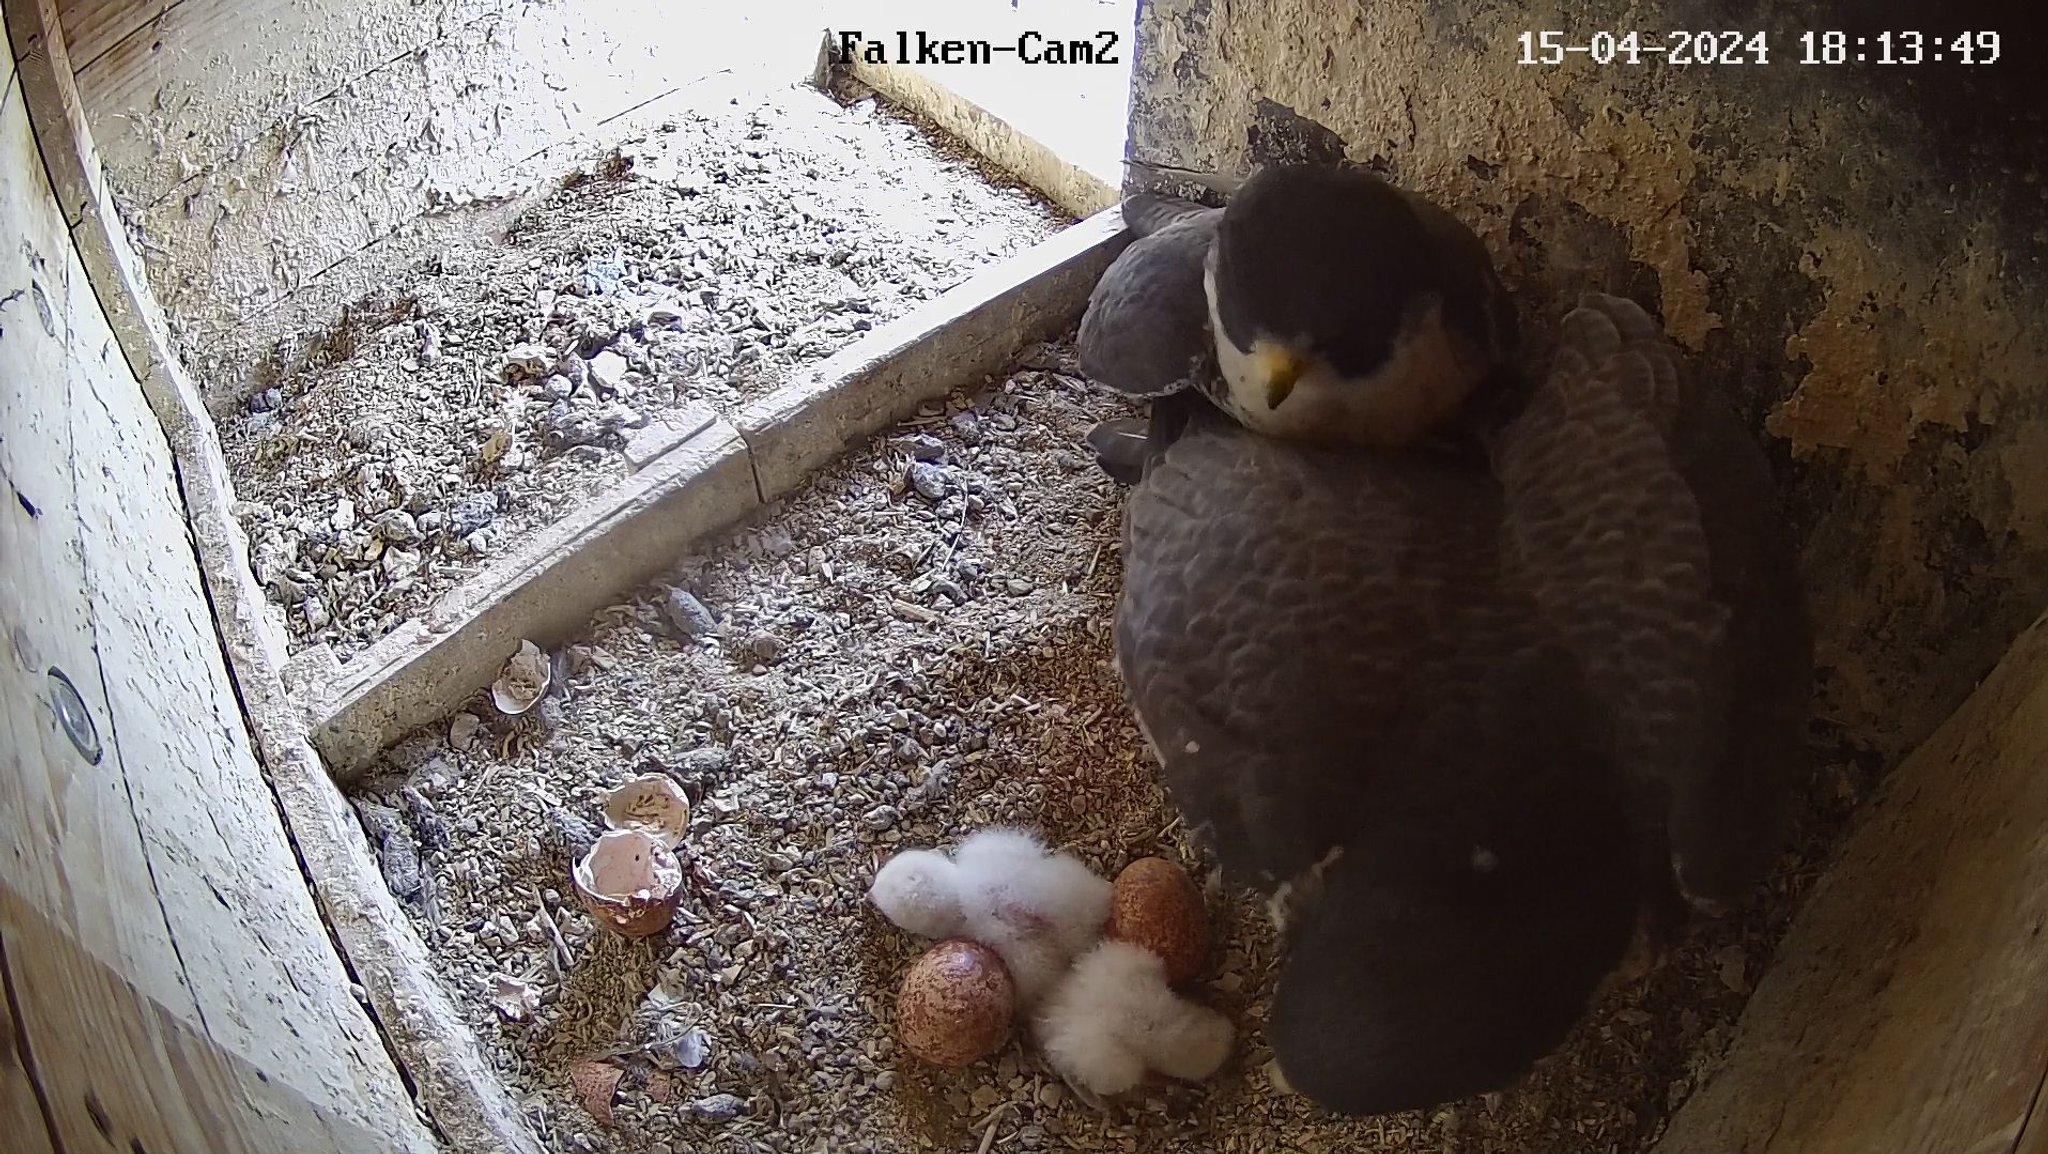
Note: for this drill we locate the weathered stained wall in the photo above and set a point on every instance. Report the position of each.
(169, 984)
(1857, 251)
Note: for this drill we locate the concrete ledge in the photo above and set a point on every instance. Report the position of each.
(696, 474)
(977, 328)
(546, 591)
(455, 1085)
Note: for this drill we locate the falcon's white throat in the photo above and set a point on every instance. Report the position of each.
(1424, 380)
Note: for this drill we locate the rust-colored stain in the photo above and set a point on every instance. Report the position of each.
(1900, 345)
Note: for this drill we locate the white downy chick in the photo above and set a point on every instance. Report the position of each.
(919, 890)
(1035, 908)
(1113, 1017)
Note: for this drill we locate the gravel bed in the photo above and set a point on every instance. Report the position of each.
(913, 646)
(493, 388)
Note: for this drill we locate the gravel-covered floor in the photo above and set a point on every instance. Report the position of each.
(487, 392)
(911, 647)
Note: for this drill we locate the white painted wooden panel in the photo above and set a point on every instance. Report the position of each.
(175, 985)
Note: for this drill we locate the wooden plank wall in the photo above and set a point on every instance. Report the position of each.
(170, 983)
(1903, 1012)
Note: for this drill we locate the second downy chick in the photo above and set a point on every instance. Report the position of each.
(919, 890)
(1113, 1018)
(1036, 908)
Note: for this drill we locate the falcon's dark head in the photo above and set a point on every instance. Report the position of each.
(1348, 310)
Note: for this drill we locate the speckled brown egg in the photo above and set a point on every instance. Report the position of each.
(1155, 904)
(955, 1005)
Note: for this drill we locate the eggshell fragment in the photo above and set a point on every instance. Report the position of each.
(955, 1005)
(630, 882)
(523, 681)
(515, 999)
(597, 1083)
(1155, 904)
(652, 803)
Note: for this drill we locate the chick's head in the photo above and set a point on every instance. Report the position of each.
(919, 890)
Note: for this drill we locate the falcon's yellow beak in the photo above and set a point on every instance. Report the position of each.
(1280, 368)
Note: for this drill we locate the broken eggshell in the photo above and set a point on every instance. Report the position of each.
(652, 803)
(516, 1000)
(523, 681)
(630, 882)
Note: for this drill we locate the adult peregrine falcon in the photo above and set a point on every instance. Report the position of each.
(1471, 721)
(1338, 308)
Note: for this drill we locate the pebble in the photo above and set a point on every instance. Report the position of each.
(344, 516)
(268, 401)
(316, 613)
(931, 481)
(688, 1052)
(967, 426)
(925, 447)
(608, 371)
(367, 434)
(685, 614)
(620, 417)
(473, 513)
(397, 526)
(776, 542)
(767, 646)
(704, 761)
(572, 833)
(399, 563)
(1731, 962)
(527, 360)
(603, 275)
(399, 854)
(880, 818)
(565, 427)
(718, 1108)
(430, 522)
(574, 368)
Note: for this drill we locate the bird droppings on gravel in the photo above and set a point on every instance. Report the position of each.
(485, 394)
(889, 665)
